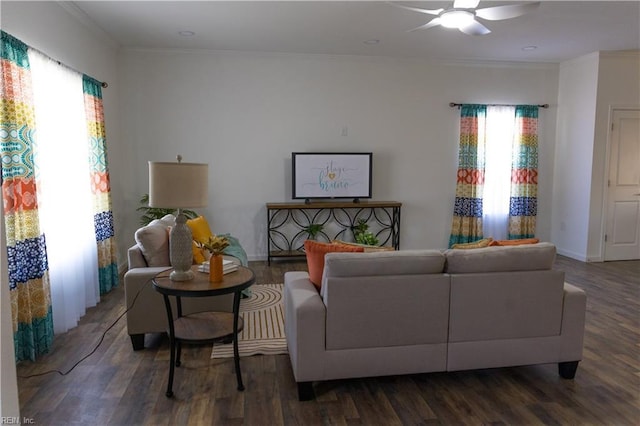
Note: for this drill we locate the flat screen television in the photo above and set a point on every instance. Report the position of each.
(322, 175)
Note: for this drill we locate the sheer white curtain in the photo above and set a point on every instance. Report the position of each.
(497, 185)
(61, 158)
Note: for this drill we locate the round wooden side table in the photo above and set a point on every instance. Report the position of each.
(203, 327)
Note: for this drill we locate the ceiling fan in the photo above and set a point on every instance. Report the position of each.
(462, 15)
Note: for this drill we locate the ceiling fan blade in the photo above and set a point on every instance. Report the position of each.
(475, 28)
(506, 12)
(417, 9)
(465, 4)
(431, 23)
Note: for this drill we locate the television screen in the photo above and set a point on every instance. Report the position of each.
(331, 175)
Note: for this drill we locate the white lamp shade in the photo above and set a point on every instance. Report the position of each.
(178, 185)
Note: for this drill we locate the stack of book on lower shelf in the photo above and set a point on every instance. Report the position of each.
(227, 266)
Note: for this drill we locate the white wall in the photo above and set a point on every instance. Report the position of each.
(589, 87)
(574, 145)
(245, 113)
(618, 86)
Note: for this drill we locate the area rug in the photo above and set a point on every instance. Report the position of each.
(263, 332)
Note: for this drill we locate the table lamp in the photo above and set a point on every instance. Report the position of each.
(179, 186)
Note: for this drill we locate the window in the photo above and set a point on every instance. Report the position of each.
(59, 167)
(497, 179)
(61, 156)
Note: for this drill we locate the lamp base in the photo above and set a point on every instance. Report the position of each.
(181, 275)
(180, 249)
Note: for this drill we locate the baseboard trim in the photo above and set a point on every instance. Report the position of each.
(569, 253)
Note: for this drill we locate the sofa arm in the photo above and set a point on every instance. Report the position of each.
(304, 314)
(573, 320)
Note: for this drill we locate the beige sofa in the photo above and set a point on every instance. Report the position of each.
(419, 311)
(146, 310)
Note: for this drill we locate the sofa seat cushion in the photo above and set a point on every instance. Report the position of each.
(529, 257)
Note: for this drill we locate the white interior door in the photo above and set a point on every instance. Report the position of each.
(622, 239)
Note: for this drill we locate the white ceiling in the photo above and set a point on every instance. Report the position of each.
(561, 30)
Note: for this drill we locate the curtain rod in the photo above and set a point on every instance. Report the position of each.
(102, 83)
(454, 104)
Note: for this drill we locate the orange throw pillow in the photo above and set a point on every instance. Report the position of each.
(315, 252)
(515, 242)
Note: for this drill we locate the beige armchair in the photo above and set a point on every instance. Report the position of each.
(146, 312)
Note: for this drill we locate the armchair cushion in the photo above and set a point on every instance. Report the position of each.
(153, 241)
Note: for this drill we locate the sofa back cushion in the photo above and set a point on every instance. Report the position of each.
(402, 262)
(386, 311)
(529, 257)
(505, 305)
(390, 298)
(504, 292)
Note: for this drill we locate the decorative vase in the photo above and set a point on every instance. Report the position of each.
(215, 268)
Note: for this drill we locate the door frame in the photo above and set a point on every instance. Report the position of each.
(605, 186)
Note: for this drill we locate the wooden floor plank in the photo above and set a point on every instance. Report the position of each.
(117, 386)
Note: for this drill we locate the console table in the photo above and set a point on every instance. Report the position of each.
(288, 224)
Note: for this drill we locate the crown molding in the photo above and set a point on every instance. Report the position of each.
(80, 15)
(620, 53)
(336, 57)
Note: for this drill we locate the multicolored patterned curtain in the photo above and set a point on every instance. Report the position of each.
(100, 188)
(26, 249)
(467, 211)
(523, 204)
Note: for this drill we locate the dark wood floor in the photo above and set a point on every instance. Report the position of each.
(116, 386)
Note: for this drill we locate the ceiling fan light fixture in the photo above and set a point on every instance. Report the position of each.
(456, 19)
